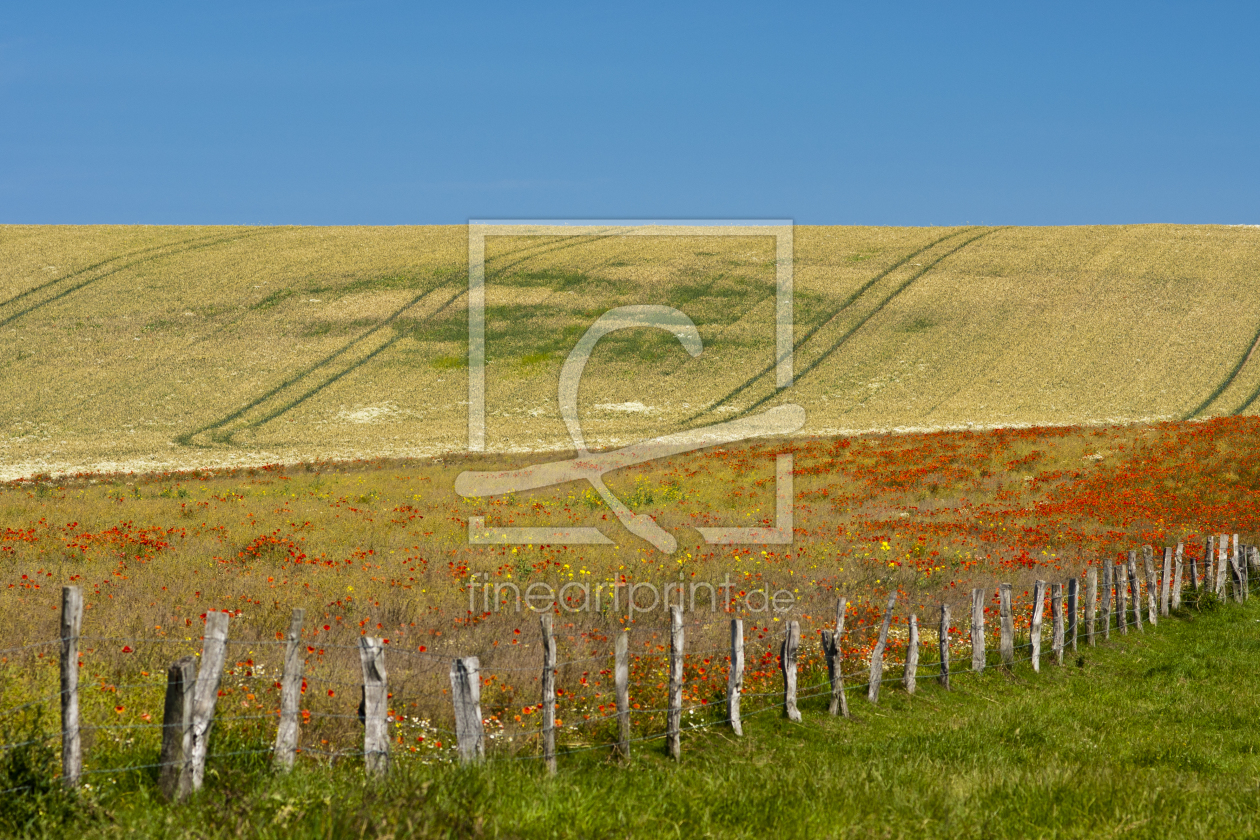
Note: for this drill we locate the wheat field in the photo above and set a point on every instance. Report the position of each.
(141, 348)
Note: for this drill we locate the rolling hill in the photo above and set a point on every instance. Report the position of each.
(142, 348)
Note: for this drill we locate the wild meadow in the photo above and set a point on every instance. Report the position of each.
(381, 548)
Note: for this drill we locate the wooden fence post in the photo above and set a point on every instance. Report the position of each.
(284, 752)
(1165, 582)
(1253, 560)
(1108, 575)
(735, 677)
(1235, 578)
(835, 662)
(71, 746)
(1091, 596)
(1175, 598)
(1236, 571)
(943, 641)
(1152, 588)
(621, 677)
(787, 659)
(1244, 569)
(206, 694)
(1073, 607)
(1135, 590)
(466, 698)
(1209, 563)
(912, 655)
(1006, 646)
(548, 692)
(1056, 622)
(375, 705)
(977, 629)
(1122, 603)
(877, 655)
(673, 732)
(1034, 629)
(1240, 553)
(174, 769)
(1222, 558)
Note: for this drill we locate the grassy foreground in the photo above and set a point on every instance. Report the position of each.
(1151, 735)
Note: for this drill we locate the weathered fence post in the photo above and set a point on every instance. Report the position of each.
(1236, 571)
(1006, 645)
(877, 655)
(1056, 622)
(1108, 575)
(831, 649)
(1209, 563)
(1253, 560)
(375, 704)
(1074, 584)
(206, 694)
(944, 646)
(621, 679)
(1122, 603)
(912, 655)
(673, 733)
(735, 676)
(1148, 567)
(466, 698)
(1177, 575)
(787, 659)
(1244, 569)
(546, 620)
(284, 752)
(1194, 572)
(71, 746)
(977, 629)
(1222, 554)
(1135, 590)
(1165, 583)
(1235, 577)
(1091, 596)
(1034, 629)
(1240, 558)
(174, 770)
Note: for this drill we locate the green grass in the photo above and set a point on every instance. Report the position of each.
(1152, 735)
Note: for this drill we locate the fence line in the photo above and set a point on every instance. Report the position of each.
(192, 692)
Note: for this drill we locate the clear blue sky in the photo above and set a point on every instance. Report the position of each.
(405, 113)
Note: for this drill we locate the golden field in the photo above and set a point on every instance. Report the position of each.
(142, 348)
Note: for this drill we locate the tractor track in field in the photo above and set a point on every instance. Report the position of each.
(57, 289)
(274, 402)
(878, 308)
(1229, 380)
(853, 298)
(350, 357)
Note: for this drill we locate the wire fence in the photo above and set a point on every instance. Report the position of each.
(427, 714)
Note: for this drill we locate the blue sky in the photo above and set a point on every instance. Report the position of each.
(393, 113)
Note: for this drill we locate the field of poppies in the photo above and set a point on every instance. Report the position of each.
(380, 548)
